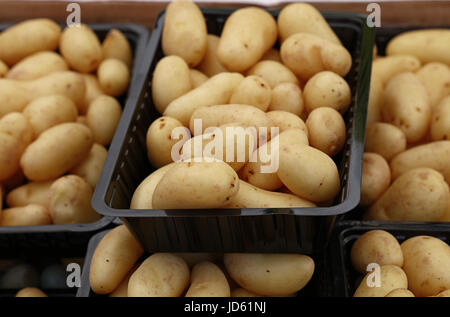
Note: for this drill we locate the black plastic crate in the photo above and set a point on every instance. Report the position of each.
(301, 230)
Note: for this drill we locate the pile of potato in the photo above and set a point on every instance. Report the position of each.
(239, 81)
(116, 269)
(58, 113)
(417, 267)
(406, 168)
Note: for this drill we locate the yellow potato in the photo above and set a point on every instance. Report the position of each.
(30, 292)
(248, 33)
(286, 120)
(253, 91)
(10, 152)
(56, 151)
(113, 76)
(31, 193)
(270, 274)
(184, 33)
(375, 100)
(160, 275)
(307, 54)
(13, 96)
(28, 37)
(91, 167)
(436, 79)
(3, 69)
(210, 64)
(385, 68)
(81, 48)
(272, 55)
(122, 289)
(426, 264)
(400, 292)
(208, 280)
(327, 89)
(240, 292)
(385, 139)
(197, 78)
(17, 125)
(440, 120)
(82, 120)
(93, 90)
(116, 45)
(29, 215)
(47, 111)
(326, 129)
(113, 258)
(445, 293)
(304, 18)
(391, 278)
(431, 45)
(287, 97)
(192, 259)
(102, 117)
(274, 73)
(37, 65)
(70, 201)
(376, 178)
(420, 194)
(215, 91)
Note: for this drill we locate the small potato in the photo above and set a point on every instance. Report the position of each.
(440, 120)
(37, 65)
(274, 73)
(272, 55)
(102, 117)
(10, 152)
(184, 33)
(160, 275)
(385, 139)
(113, 76)
(91, 167)
(376, 246)
(122, 289)
(248, 33)
(17, 125)
(116, 45)
(197, 78)
(392, 277)
(270, 274)
(307, 54)
(385, 68)
(114, 257)
(3, 69)
(210, 64)
(13, 96)
(375, 100)
(192, 259)
(436, 79)
(327, 89)
(30, 292)
(286, 120)
(287, 97)
(81, 48)
(48, 111)
(31, 193)
(400, 292)
(376, 178)
(326, 129)
(29, 215)
(208, 280)
(240, 292)
(445, 293)
(253, 91)
(93, 90)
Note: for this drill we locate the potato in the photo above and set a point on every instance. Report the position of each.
(93, 90)
(274, 73)
(385, 139)
(286, 120)
(445, 293)
(116, 45)
(248, 33)
(287, 97)
(327, 89)
(208, 280)
(436, 79)
(160, 142)
(400, 292)
(376, 178)
(307, 54)
(418, 195)
(304, 18)
(13, 96)
(53, 153)
(37, 65)
(122, 289)
(240, 292)
(270, 274)
(406, 105)
(440, 120)
(431, 45)
(210, 64)
(82, 120)
(81, 48)
(160, 275)
(102, 117)
(3, 69)
(16, 125)
(387, 67)
(375, 101)
(113, 76)
(48, 111)
(31, 193)
(70, 201)
(326, 129)
(28, 37)
(253, 91)
(184, 185)
(197, 78)
(376, 246)
(29, 215)
(250, 196)
(391, 278)
(10, 152)
(30, 292)
(192, 259)
(272, 55)
(113, 258)
(316, 179)
(426, 264)
(91, 167)
(215, 91)
(184, 33)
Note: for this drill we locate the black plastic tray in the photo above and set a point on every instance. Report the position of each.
(239, 230)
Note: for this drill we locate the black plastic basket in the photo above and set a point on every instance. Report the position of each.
(240, 230)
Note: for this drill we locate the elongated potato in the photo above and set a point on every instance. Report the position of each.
(436, 79)
(385, 139)
(385, 68)
(160, 275)
(91, 167)
(13, 96)
(375, 100)
(30, 292)
(56, 151)
(184, 33)
(391, 277)
(3, 69)
(247, 33)
(37, 65)
(210, 64)
(102, 117)
(93, 90)
(113, 76)
(253, 91)
(116, 45)
(113, 258)
(274, 73)
(217, 90)
(208, 280)
(286, 120)
(270, 274)
(400, 292)
(31, 193)
(287, 97)
(440, 120)
(29, 215)
(10, 152)
(17, 125)
(376, 178)
(197, 78)
(27, 38)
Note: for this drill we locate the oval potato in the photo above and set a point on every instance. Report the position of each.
(392, 277)
(113, 76)
(376, 178)
(387, 67)
(37, 65)
(102, 117)
(29, 215)
(285, 120)
(287, 97)
(91, 167)
(274, 73)
(440, 120)
(436, 79)
(210, 64)
(197, 78)
(116, 45)
(17, 125)
(385, 139)
(30, 292)
(208, 280)
(31, 193)
(253, 91)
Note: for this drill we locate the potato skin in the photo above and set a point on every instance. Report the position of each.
(16, 125)
(385, 139)
(93, 90)
(436, 79)
(113, 76)
(197, 77)
(400, 292)
(103, 117)
(287, 97)
(386, 67)
(286, 120)
(30, 193)
(37, 65)
(253, 91)
(30, 292)
(116, 45)
(392, 277)
(376, 178)
(440, 120)
(210, 64)
(274, 73)
(208, 280)
(29, 215)
(91, 167)
(10, 153)
(375, 100)
(13, 96)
